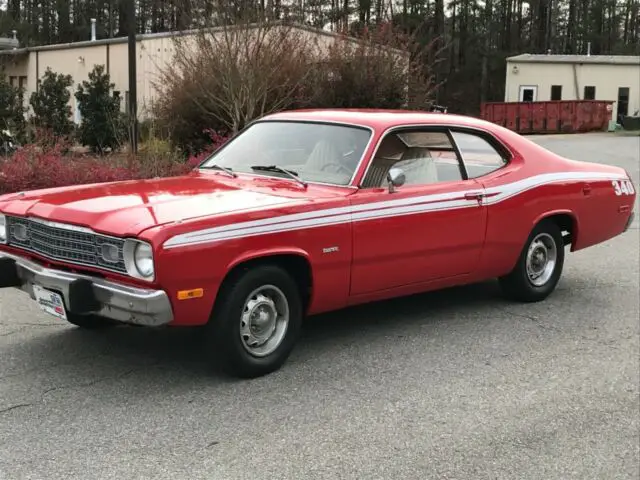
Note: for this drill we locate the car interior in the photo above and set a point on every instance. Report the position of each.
(425, 157)
(428, 157)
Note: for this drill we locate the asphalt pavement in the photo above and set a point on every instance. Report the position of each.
(457, 384)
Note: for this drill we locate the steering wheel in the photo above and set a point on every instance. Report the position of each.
(337, 168)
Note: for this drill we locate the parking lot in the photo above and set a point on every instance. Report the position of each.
(458, 384)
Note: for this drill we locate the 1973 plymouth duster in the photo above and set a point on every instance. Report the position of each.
(305, 212)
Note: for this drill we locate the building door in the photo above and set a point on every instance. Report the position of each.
(623, 101)
(528, 93)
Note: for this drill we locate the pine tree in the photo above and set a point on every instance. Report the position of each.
(12, 109)
(102, 126)
(51, 104)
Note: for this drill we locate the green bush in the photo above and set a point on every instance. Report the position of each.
(50, 104)
(103, 126)
(12, 110)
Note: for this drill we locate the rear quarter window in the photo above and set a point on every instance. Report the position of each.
(479, 156)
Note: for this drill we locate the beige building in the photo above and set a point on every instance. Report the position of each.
(540, 78)
(23, 66)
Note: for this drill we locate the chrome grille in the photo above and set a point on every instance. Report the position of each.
(72, 245)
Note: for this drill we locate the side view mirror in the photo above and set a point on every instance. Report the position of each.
(396, 178)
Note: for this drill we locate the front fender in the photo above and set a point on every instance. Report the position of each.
(268, 252)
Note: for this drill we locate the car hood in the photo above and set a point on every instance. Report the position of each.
(128, 208)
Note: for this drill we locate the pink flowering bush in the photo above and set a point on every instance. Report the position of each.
(48, 164)
(216, 141)
(33, 168)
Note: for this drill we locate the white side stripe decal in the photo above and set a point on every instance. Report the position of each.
(521, 186)
(387, 208)
(307, 219)
(323, 222)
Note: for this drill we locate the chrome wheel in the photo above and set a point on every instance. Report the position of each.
(541, 259)
(264, 320)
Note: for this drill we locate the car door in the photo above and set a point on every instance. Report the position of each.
(430, 228)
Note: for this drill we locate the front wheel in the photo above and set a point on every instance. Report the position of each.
(539, 266)
(255, 323)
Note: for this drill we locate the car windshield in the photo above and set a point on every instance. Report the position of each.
(309, 152)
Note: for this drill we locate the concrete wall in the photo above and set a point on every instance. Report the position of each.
(573, 78)
(16, 69)
(79, 62)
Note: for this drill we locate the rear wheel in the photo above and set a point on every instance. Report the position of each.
(255, 323)
(90, 322)
(539, 266)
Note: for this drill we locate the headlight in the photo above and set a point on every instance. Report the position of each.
(143, 258)
(3, 229)
(138, 258)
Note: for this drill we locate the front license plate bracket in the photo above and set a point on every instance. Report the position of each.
(50, 302)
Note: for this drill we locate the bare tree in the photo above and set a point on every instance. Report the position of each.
(234, 74)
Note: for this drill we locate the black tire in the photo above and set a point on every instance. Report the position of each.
(225, 347)
(517, 285)
(90, 322)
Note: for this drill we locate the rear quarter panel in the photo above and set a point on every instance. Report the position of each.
(603, 213)
(528, 191)
(510, 222)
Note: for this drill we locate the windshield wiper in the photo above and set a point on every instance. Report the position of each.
(274, 168)
(220, 167)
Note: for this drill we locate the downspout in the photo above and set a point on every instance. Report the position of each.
(506, 83)
(37, 71)
(575, 81)
(108, 58)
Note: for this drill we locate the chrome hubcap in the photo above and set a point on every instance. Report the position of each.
(264, 320)
(541, 259)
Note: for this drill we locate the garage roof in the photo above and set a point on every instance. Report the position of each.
(596, 59)
(173, 34)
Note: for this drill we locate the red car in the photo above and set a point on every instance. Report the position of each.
(306, 212)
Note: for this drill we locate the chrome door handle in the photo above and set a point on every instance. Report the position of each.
(474, 196)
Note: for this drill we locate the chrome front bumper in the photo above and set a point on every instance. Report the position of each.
(85, 295)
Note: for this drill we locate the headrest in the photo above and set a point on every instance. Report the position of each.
(391, 148)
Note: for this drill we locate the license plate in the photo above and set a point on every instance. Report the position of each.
(50, 302)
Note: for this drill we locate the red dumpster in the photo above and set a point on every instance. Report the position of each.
(566, 116)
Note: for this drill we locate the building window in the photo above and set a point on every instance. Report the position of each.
(556, 92)
(12, 81)
(589, 93)
(23, 83)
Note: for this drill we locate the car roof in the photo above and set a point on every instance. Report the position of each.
(381, 119)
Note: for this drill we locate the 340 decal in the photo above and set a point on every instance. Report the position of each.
(623, 187)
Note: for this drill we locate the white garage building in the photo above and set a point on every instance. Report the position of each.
(539, 78)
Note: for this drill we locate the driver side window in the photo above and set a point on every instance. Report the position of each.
(426, 156)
